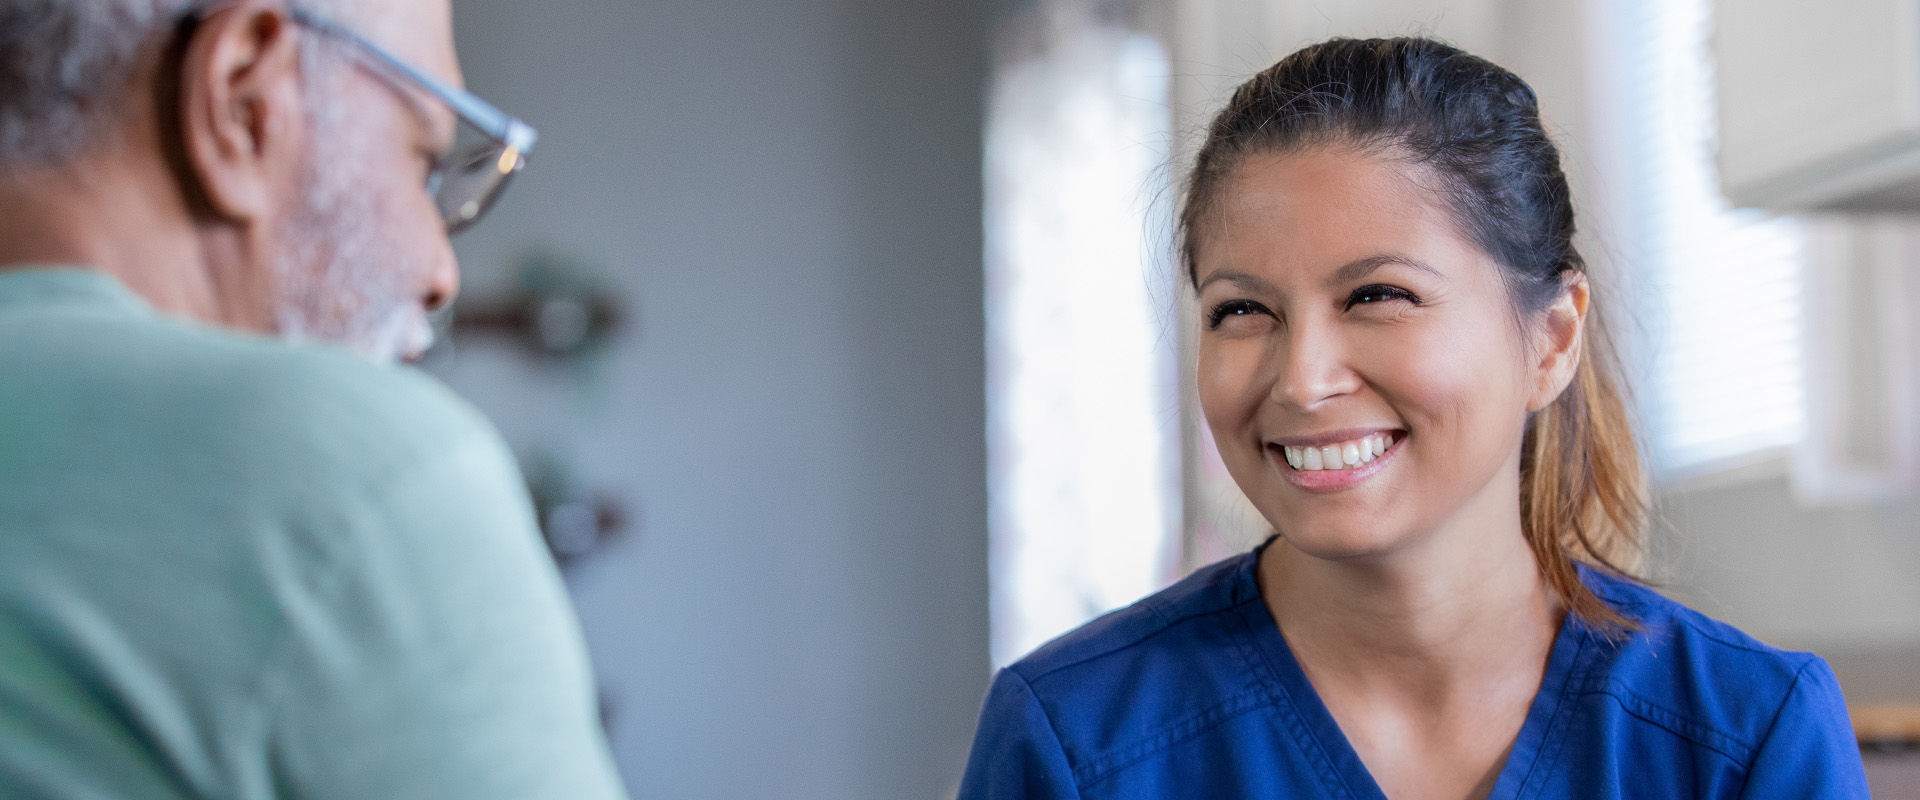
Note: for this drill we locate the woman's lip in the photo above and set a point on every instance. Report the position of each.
(1333, 437)
(1331, 480)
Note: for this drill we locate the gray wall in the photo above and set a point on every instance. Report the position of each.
(1838, 580)
(787, 195)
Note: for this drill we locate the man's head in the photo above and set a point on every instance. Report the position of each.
(283, 160)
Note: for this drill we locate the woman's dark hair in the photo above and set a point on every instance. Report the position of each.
(1472, 132)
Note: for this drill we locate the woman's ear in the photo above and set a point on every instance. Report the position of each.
(241, 109)
(1562, 335)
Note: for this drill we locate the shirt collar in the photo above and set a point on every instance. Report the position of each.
(40, 286)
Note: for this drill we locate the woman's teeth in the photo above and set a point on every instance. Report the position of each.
(1345, 455)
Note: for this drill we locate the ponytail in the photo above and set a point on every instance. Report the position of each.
(1583, 490)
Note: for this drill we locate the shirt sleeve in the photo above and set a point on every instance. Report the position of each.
(1810, 751)
(1016, 754)
(438, 656)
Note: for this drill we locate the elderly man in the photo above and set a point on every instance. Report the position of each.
(241, 555)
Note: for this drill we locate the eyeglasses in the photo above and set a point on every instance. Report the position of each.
(469, 178)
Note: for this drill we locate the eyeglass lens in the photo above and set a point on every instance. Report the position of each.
(471, 177)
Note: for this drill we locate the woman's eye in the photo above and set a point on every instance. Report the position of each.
(1378, 293)
(1234, 308)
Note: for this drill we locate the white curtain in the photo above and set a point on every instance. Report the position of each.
(1082, 414)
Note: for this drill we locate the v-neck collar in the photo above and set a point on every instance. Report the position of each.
(1338, 764)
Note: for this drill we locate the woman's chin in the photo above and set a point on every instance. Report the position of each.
(1337, 542)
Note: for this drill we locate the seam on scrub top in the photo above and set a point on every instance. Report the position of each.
(1118, 759)
(1693, 619)
(1283, 703)
(1052, 729)
(1673, 722)
(1555, 737)
(1774, 723)
(1762, 649)
(1170, 623)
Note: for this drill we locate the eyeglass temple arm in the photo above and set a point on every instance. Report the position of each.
(482, 114)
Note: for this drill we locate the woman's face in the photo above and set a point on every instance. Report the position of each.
(1359, 363)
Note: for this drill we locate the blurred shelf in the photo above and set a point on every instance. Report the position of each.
(1889, 727)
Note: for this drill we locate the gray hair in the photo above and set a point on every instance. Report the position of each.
(63, 63)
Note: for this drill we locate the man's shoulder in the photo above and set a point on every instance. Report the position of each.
(227, 403)
(321, 398)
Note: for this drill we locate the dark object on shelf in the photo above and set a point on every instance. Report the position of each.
(575, 523)
(576, 528)
(557, 310)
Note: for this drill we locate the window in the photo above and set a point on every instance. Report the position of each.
(1082, 411)
(1722, 286)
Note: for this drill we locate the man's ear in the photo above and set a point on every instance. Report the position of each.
(1562, 337)
(241, 109)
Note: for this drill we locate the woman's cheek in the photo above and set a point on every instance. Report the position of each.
(1228, 374)
(1455, 389)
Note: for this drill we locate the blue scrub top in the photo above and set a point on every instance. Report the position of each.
(1192, 693)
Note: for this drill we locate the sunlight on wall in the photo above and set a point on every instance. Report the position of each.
(1082, 413)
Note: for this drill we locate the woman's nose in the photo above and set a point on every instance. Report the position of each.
(1313, 369)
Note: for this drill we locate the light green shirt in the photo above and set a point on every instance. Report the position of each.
(235, 568)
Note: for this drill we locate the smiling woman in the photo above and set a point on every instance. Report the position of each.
(1401, 365)
(1423, 334)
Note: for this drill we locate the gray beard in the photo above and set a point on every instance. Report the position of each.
(340, 279)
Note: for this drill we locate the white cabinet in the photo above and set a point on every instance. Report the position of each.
(1819, 103)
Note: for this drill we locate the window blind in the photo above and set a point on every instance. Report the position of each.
(1722, 285)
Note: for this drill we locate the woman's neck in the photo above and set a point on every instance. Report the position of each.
(1429, 655)
(1437, 617)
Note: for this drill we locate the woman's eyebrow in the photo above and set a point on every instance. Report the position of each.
(1250, 282)
(1351, 272)
(1361, 268)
